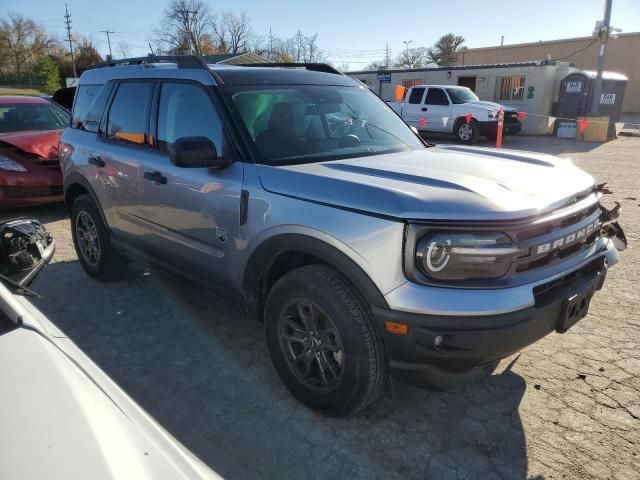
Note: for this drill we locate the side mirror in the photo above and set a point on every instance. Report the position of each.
(25, 249)
(195, 152)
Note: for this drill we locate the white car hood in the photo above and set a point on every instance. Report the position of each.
(484, 105)
(61, 417)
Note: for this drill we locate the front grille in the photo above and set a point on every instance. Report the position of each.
(510, 117)
(579, 230)
(52, 164)
(19, 191)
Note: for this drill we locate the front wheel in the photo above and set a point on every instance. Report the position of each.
(466, 133)
(323, 343)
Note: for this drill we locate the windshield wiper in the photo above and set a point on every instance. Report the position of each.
(18, 289)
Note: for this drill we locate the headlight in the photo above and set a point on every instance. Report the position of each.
(11, 165)
(465, 256)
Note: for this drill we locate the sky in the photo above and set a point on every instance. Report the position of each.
(349, 31)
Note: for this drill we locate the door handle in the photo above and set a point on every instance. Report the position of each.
(97, 161)
(156, 177)
(424, 109)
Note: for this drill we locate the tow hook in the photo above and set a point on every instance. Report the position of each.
(611, 229)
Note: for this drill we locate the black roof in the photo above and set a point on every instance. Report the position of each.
(280, 76)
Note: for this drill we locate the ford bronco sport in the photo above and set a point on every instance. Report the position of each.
(363, 249)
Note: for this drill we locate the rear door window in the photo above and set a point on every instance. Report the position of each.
(128, 118)
(416, 95)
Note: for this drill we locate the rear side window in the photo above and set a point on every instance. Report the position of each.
(186, 110)
(85, 95)
(127, 121)
(90, 121)
(436, 96)
(416, 95)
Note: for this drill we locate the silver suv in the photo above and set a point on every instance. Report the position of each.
(363, 249)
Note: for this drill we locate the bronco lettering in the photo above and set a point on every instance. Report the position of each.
(573, 236)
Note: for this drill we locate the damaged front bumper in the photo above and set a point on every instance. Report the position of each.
(611, 229)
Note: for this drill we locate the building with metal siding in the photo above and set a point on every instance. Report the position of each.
(530, 87)
(623, 56)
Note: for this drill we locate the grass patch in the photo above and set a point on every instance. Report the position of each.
(19, 91)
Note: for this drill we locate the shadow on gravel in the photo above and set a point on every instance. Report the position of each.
(200, 368)
(43, 213)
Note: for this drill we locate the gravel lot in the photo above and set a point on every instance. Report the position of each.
(566, 407)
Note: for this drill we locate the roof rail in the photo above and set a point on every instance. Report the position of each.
(182, 61)
(314, 67)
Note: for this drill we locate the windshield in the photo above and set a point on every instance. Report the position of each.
(462, 95)
(22, 117)
(306, 123)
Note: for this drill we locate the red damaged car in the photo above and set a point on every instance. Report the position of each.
(29, 170)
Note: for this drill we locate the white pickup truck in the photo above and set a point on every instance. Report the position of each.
(445, 109)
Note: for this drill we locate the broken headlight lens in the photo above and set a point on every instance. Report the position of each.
(465, 256)
(10, 165)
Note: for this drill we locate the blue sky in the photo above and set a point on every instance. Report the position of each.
(349, 31)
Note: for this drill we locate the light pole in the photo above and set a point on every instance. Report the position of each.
(603, 33)
(407, 42)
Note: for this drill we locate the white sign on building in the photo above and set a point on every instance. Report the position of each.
(574, 87)
(607, 99)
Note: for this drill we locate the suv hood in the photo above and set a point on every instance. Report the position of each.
(440, 183)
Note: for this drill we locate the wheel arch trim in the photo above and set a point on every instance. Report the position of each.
(260, 261)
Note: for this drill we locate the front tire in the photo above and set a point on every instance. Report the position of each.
(466, 133)
(323, 343)
(91, 241)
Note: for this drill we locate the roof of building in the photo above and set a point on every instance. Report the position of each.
(453, 67)
(541, 42)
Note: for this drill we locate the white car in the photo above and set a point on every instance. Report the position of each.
(61, 417)
(456, 110)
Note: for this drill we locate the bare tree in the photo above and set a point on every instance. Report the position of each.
(22, 40)
(299, 42)
(187, 26)
(236, 31)
(444, 51)
(314, 54)
(376, 65)
(412, 58)
(124, 48)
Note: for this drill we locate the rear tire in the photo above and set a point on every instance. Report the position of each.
(91, 241)
(466, 133)
(323, 343)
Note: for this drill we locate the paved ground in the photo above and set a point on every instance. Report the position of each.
(567, 407)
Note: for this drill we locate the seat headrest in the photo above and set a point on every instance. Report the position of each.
(281, 116)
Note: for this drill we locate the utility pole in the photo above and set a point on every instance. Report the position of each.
(387, 56)
(502, 40)
(603, 33)
(192, 39)
(407, 42)
(270, 45)
(108, 41)
(68, 22)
